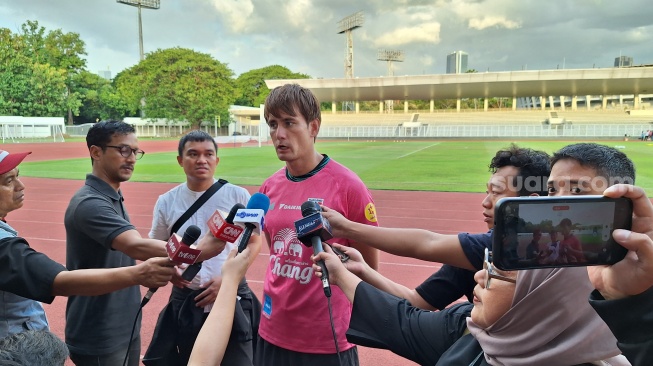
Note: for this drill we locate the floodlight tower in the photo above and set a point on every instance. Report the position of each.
(390, 56)
(346, 26)
(147, 4)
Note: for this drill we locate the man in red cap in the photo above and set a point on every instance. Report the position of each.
(27, 276)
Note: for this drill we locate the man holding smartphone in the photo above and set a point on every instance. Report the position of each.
(463, 253)
(624, 291)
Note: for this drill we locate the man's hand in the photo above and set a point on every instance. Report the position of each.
(210, 292)
(338, 274)
(177, 280)
(339, 223)
(210, 246)
(356, 264)
(154, 272)
(634, 274)
(336, 268)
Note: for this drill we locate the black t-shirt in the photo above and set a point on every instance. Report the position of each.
(26, 272)
(451, 283)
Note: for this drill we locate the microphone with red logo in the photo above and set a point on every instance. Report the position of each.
(190, 236)
(224, 228)
(251, 218)
(311, 230)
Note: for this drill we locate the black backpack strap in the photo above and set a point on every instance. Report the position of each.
(197, 204)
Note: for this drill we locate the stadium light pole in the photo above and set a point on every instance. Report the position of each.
(147, 4)
(346, 25)
(390, 56)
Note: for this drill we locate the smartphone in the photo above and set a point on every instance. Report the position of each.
(539, 232)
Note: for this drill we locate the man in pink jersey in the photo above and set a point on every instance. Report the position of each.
(295, 325)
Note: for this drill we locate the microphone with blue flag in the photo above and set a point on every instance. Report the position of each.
(252, 218)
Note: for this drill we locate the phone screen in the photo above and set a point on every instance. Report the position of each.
(536, 232)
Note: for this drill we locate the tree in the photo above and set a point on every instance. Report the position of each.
(100, 100)
(37, 69)
(178, 84)
(250, 86)
(60, 50)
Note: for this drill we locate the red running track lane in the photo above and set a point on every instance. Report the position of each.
(40, 221)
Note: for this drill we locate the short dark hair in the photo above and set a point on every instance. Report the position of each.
(534, 166)
(34, 347)
(290, 99)
(195, 136)
(608, 162)
(101, 133)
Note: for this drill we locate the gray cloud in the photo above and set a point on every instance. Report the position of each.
(498, 35)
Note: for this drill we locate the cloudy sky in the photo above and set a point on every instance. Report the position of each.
(498, 35)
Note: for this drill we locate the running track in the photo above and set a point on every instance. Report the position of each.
(40, 221)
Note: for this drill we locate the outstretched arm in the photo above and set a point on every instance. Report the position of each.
(153, 273)
(414, 243)
(358, 266)
(212, 339)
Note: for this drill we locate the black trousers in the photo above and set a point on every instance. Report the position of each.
(181, 320)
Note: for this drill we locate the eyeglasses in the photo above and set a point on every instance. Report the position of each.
(127, 151)
(489, 271)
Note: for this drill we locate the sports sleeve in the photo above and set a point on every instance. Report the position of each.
(360, 205)
(474, 245)
(160, 227)
(99, 220)
(631, 321)
(381, 320)
(26, 272)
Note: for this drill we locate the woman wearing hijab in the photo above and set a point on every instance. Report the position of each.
(535, 317)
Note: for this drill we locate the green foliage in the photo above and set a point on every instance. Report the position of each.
(100, 100)
(36, 70)
(178, 84)
(250, 86)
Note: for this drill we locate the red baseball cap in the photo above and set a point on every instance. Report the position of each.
(9, 161)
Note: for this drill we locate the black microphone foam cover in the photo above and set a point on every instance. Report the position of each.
(233, 212)
(309, 208)
(191, 235)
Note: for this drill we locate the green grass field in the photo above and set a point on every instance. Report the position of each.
(421, 165)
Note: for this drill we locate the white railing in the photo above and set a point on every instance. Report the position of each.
(633, 131)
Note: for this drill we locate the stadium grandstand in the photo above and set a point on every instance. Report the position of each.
(578, 103)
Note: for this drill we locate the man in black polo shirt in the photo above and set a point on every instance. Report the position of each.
(27, 276)
(100, 235)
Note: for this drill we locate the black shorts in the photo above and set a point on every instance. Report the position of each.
(267, 354)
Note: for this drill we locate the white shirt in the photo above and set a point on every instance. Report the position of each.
(172, 204)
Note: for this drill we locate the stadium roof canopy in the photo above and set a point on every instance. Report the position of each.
(568, 82)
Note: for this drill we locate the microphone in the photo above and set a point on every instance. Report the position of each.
(190, 236)
(251, 218)
(311, 230)
(224, 229)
